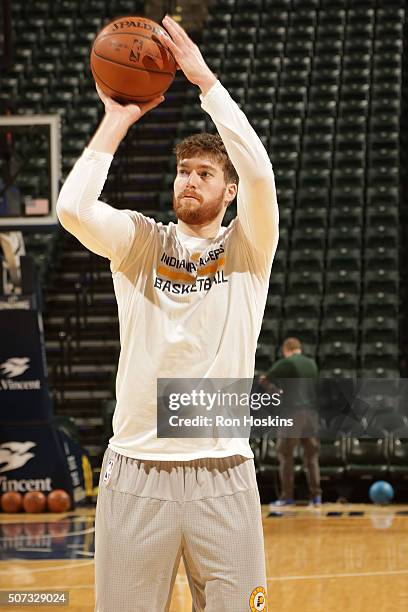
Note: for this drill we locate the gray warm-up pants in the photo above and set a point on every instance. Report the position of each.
(150, 513)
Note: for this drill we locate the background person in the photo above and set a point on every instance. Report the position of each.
(296, 374)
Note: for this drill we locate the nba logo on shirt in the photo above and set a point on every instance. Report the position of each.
(108, 471)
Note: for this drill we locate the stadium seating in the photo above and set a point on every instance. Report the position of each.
(321, 83)
(333, 461)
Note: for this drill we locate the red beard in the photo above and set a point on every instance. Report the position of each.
(194, 212)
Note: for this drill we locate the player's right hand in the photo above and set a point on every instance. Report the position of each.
(129, 113)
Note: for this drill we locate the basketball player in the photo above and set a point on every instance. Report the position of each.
(191, 298)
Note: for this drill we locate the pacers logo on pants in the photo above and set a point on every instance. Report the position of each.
(257, 601)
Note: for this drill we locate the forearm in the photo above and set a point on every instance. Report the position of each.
(110, 133)
(244, 147)
(256, 201)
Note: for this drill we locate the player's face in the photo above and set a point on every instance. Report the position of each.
(200, 191)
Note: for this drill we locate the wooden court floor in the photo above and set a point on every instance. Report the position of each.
(338, 558)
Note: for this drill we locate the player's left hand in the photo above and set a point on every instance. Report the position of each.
(186, 53)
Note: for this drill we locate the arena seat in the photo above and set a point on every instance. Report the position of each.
(306, 260)
(398, 455)
(339, 328)
(309, 238)
(343, 258)
(337, 354)
(343, 281)
(331, 458)
(380, 303)
(273, 306)
(367, 458)
(305, 282)
(305, 328)
(341, 304)
(270, 332)
(379, 329)
(224, 6)
(302, 305)
(345, 236)
(379, 354)
(381, 280)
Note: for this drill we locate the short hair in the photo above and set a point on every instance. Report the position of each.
(210, 144)
(291, 344)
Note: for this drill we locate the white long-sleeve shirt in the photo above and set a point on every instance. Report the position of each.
(188, 307)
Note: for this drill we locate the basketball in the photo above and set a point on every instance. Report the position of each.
(58, 501)
(11, 502)
(127, 64)
(381, 492)
(34, 502)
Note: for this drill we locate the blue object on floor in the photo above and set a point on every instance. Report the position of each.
(381, 492)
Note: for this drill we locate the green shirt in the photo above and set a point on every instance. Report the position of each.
(300, 391)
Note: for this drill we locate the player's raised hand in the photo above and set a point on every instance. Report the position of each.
(186, 53)
(129, 113)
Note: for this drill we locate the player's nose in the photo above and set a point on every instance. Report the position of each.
(192, 178)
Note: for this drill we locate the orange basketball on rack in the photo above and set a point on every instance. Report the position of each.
(128, 64)
(11, 501)
(58, 501)
(34, 501)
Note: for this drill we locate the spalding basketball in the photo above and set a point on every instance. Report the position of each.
(58, 501)
(128, 64)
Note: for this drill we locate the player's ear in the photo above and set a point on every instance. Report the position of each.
(230, 193)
